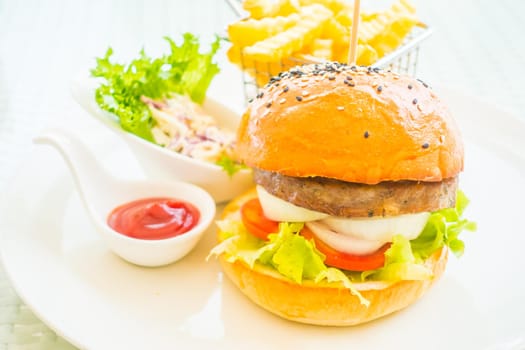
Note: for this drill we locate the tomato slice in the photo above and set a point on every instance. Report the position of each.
(260, 226)
(254, 220)
(348, 261)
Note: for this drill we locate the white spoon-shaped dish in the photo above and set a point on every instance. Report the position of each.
(101, 193)
(160, 163)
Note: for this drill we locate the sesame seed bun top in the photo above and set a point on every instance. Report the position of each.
(349, 123)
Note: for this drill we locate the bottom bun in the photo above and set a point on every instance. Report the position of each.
(328, 304)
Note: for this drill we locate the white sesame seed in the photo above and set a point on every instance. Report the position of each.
(282, 100)
(419, 107)
(305, 93)
(340, 108)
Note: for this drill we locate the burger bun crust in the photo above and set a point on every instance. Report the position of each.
(359, 126)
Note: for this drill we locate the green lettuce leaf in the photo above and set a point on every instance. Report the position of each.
(400, 264)
(403, 260)
(443, 229)
(296, 258)
(184, 71)
(289, 253)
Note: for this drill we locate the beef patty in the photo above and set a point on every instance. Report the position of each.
(348, 199)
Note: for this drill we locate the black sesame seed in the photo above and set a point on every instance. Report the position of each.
(410, 86)
(379, 88)
(414, 101)
(260, 94)
(422, 82)
(348, 77)
(269, 104)
(425, 145)
(286, 88)
(370, 213)
(331, 77)
(297, 72)
(250, 100)
(351, 84)
(299, 98)
(367, 134)
(376, 69)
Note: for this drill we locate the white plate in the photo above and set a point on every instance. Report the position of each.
(63, 271)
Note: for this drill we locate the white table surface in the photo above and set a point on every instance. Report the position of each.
(478, 46)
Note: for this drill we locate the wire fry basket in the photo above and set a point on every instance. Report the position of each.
(402, 60)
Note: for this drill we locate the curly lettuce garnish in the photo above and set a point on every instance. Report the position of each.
(183, 71)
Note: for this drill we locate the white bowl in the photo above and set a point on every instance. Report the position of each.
(160, 163)
(160, 252)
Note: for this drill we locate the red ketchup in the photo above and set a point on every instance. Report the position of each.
(154, 218)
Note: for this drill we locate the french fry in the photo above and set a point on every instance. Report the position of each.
(283, 33)
(292, 40)
(333, 5)
(340, 52)
(335, 31)
(403, 7)
(265, 70)
(369, 30)
(403, 26)
(249, 31)
(234, 54)
(287, 7)
(391, 38)
(345, 18)
(269, 8)
(368, 16)
(320, 48)
(366, 55)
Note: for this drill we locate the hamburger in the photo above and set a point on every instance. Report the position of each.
(356, 204)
